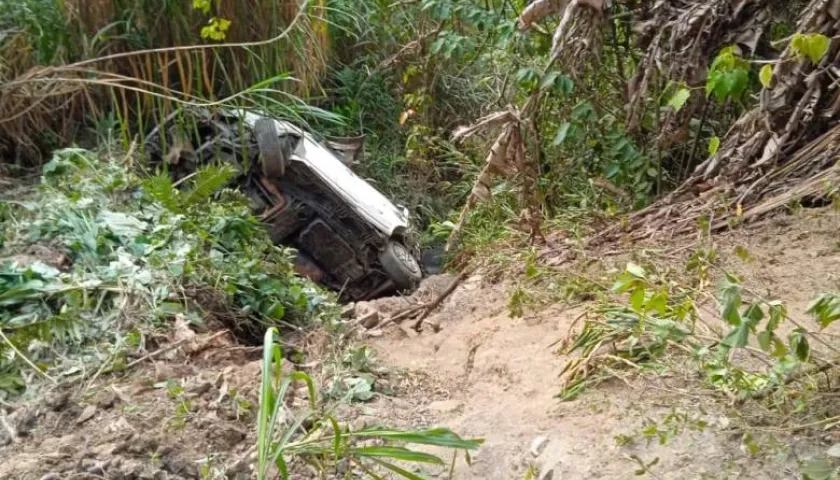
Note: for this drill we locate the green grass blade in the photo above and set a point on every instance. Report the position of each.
(397, 453)
(336, 436)
(267, 405)
(399, 471)
(441, 437)
(208, 180)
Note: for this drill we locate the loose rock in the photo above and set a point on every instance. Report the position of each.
(370, 320)
(88, 413)
(348, 311)
(444, 406)
(538, 445)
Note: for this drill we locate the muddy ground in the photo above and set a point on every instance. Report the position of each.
(191, 411)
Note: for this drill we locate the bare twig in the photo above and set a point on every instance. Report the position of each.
(403, 314)
(9, 429)
(761, 394)
(25, 359)
(436, 303)
(169, 347)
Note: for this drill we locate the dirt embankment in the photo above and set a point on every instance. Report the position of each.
(190, 412)
(493, 376)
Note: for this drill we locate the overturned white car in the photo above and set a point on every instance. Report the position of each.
(349, 236)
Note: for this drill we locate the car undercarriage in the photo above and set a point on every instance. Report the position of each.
(337, 246)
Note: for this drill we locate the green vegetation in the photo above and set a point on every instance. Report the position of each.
(605, 136)
(661, 314)
(329, 446)
(138, 253)
(500, 123)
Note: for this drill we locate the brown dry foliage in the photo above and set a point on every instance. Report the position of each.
(38, 101)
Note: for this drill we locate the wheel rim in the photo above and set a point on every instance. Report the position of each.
(406, 258)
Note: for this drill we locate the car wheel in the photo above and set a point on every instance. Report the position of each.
(272, 155)
(400, 265)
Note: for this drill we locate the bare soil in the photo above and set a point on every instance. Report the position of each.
(191, 412)
(496, 377)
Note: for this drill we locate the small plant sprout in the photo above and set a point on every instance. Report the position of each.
(316, 438)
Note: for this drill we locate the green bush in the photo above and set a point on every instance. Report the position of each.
(139, 254)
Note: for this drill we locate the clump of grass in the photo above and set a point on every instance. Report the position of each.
(136, 61)
(315, 437)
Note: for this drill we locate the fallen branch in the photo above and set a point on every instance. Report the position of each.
(436, 303)
(403, 314)
(170, 347)
(761, 394)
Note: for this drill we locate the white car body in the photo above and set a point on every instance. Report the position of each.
(360, 195)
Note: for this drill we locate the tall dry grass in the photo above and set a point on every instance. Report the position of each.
(60, 68)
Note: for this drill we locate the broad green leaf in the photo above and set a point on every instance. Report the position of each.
(121, 224)
(714, 145)
(44, 271)
(754, 314)
(712, 82)
(738, 337)
(780, 350)
(397, 453)
(562, 132)
(817, 469)
(729, 296)
(817, 47)
(637, 299)
(826, 309)
(766, 75)
(677, 101)
(726, 58)
(658, 303)
(584, 111)
(636, 270)
(567, 85)
(625, 282)
(778, 313)
(764, 340)
(549, 80)
(735, 83)
(799, 345)
(813, 46)
(526, 75)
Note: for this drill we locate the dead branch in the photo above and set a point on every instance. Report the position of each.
(538, 10)
(761, 394)
(436, 303)
(496, 161)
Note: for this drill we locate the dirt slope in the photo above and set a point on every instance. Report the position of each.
(499, 377)
(190, 412)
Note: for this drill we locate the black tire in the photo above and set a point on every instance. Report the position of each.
(400, 265)
(272, 154)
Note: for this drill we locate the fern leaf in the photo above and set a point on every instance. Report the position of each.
(208, 180)
(161, 189)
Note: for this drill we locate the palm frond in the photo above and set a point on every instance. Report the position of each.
(208, 180)
(161, 189)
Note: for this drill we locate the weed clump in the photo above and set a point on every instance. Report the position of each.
(133, 255)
